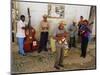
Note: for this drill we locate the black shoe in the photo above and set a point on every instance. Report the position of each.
(23, 54)
(46, 50)
(69, 49)
(19, 52)
(82, 56)
(56, 67)
(74, 46)
(61, 65)
(39, 51)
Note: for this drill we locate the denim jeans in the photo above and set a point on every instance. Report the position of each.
(20, 44)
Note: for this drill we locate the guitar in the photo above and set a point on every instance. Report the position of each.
(61, 38)
(83, 29)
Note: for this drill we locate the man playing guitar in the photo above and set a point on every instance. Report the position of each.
(60, 36)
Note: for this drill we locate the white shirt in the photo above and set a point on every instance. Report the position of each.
(20, 31)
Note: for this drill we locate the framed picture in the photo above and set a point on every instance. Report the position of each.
(56, 11)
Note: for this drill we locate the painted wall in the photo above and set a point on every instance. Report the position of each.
(37, 10)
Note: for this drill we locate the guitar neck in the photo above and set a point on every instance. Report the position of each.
(29, 22)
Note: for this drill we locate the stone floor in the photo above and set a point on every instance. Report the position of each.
(44, 61)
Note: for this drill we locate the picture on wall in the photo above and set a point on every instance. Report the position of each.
(56, 10)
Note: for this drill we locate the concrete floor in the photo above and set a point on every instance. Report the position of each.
(44, 62)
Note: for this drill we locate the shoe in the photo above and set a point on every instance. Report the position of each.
(46, 50)
(39, 51)
(19, 52)
(82, 56)
(61, 65)
(69, 49)
(56, 67)
(22, 54)
(74, 46)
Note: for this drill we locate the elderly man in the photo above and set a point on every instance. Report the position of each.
(60, 35)
(72, 33)
(85, 32)
(80, 23)
(44, 32)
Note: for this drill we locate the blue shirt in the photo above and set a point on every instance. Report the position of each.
(86, 30)
(72, 30)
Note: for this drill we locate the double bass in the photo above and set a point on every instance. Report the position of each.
(30, 42)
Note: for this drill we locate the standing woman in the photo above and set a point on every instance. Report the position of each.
(44, 29)
(21, 34)
(84, 31)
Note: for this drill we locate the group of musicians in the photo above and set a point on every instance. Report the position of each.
(59, 35)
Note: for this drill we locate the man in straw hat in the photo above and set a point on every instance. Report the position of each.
(84, 31)
(44, 32)
(59, 35)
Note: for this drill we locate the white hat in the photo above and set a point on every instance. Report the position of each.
(44, 15)
(62, 22)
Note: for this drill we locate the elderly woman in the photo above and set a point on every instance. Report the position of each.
(84, 31)
(60, 35)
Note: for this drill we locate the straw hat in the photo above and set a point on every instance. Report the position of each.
(44, 15)
(62, 22)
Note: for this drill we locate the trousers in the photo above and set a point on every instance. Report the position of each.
(20, 45)
(59, 54)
